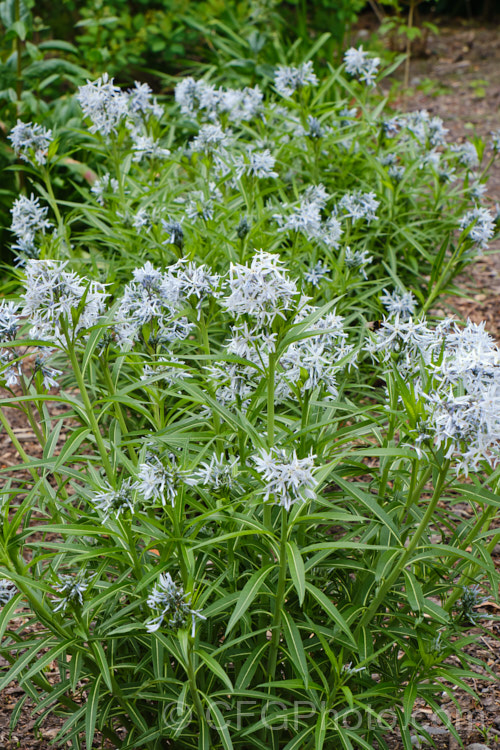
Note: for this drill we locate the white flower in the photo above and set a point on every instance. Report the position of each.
(28, 218)
(238, 105)
(217, 473)
(31, 141)
(9, 320)
(287, 479)
(261, 290)
(211, 138)
(477, 190)
(495, 140)
(158, 296)
(467, 154)
(194, 95)
(168, 369)
(140, 102)
(146, 146)
(114, 502)
(104, 104)
(7, 591)
(461, 395)
(49, 374)
(357, 259)
(53, 294)
(141, 219)
(287, 79)
(358, 205)
(174, 606)
(331, 232)
(306, 218)
(159, 482)
(72, 588)
(174, 231)
(241, 105)
(399, 303)
(437, 132)
(316, 274)
(482, 226)
(102, 185)
(258, 164)
(359, 63)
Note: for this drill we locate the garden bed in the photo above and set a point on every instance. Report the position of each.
(479, 722)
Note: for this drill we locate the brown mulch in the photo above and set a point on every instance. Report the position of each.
(460, 82)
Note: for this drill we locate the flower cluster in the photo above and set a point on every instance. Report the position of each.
(7, 591)
(288, 80)
(261, 290)
(306, 218)
(201, 97)
(107, 106)
(460, 395)
(71, 589)
(57, 300)
(31, 142)
(288, 479)
(159, 483)
(401, 304)
(173, 604)
(28, 219)
(481, 224)
(359, 63)
(156, 297)
(359, 205)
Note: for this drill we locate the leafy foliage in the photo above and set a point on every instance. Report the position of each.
(241, 531)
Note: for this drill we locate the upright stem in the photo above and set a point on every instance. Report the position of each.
(89, 409)
(31, 417)
(193, 688)
(396, 571)
(53, 204)
(270, 399)
(119, 412)
(17, 445)
(278, 602)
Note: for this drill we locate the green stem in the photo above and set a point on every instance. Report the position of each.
(31, 417)
(270, 399)
(176, 518)
(53, 202)
(278, 602)
(390, 435)
(119, 412)
(304, 420)
(385, 587)
(17, 445)
(415, 489)
(89, 408)
(193, 686)
(202, 327)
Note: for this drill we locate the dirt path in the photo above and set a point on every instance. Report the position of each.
(460, 82)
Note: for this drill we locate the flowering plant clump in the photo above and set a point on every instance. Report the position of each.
(228, 537)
